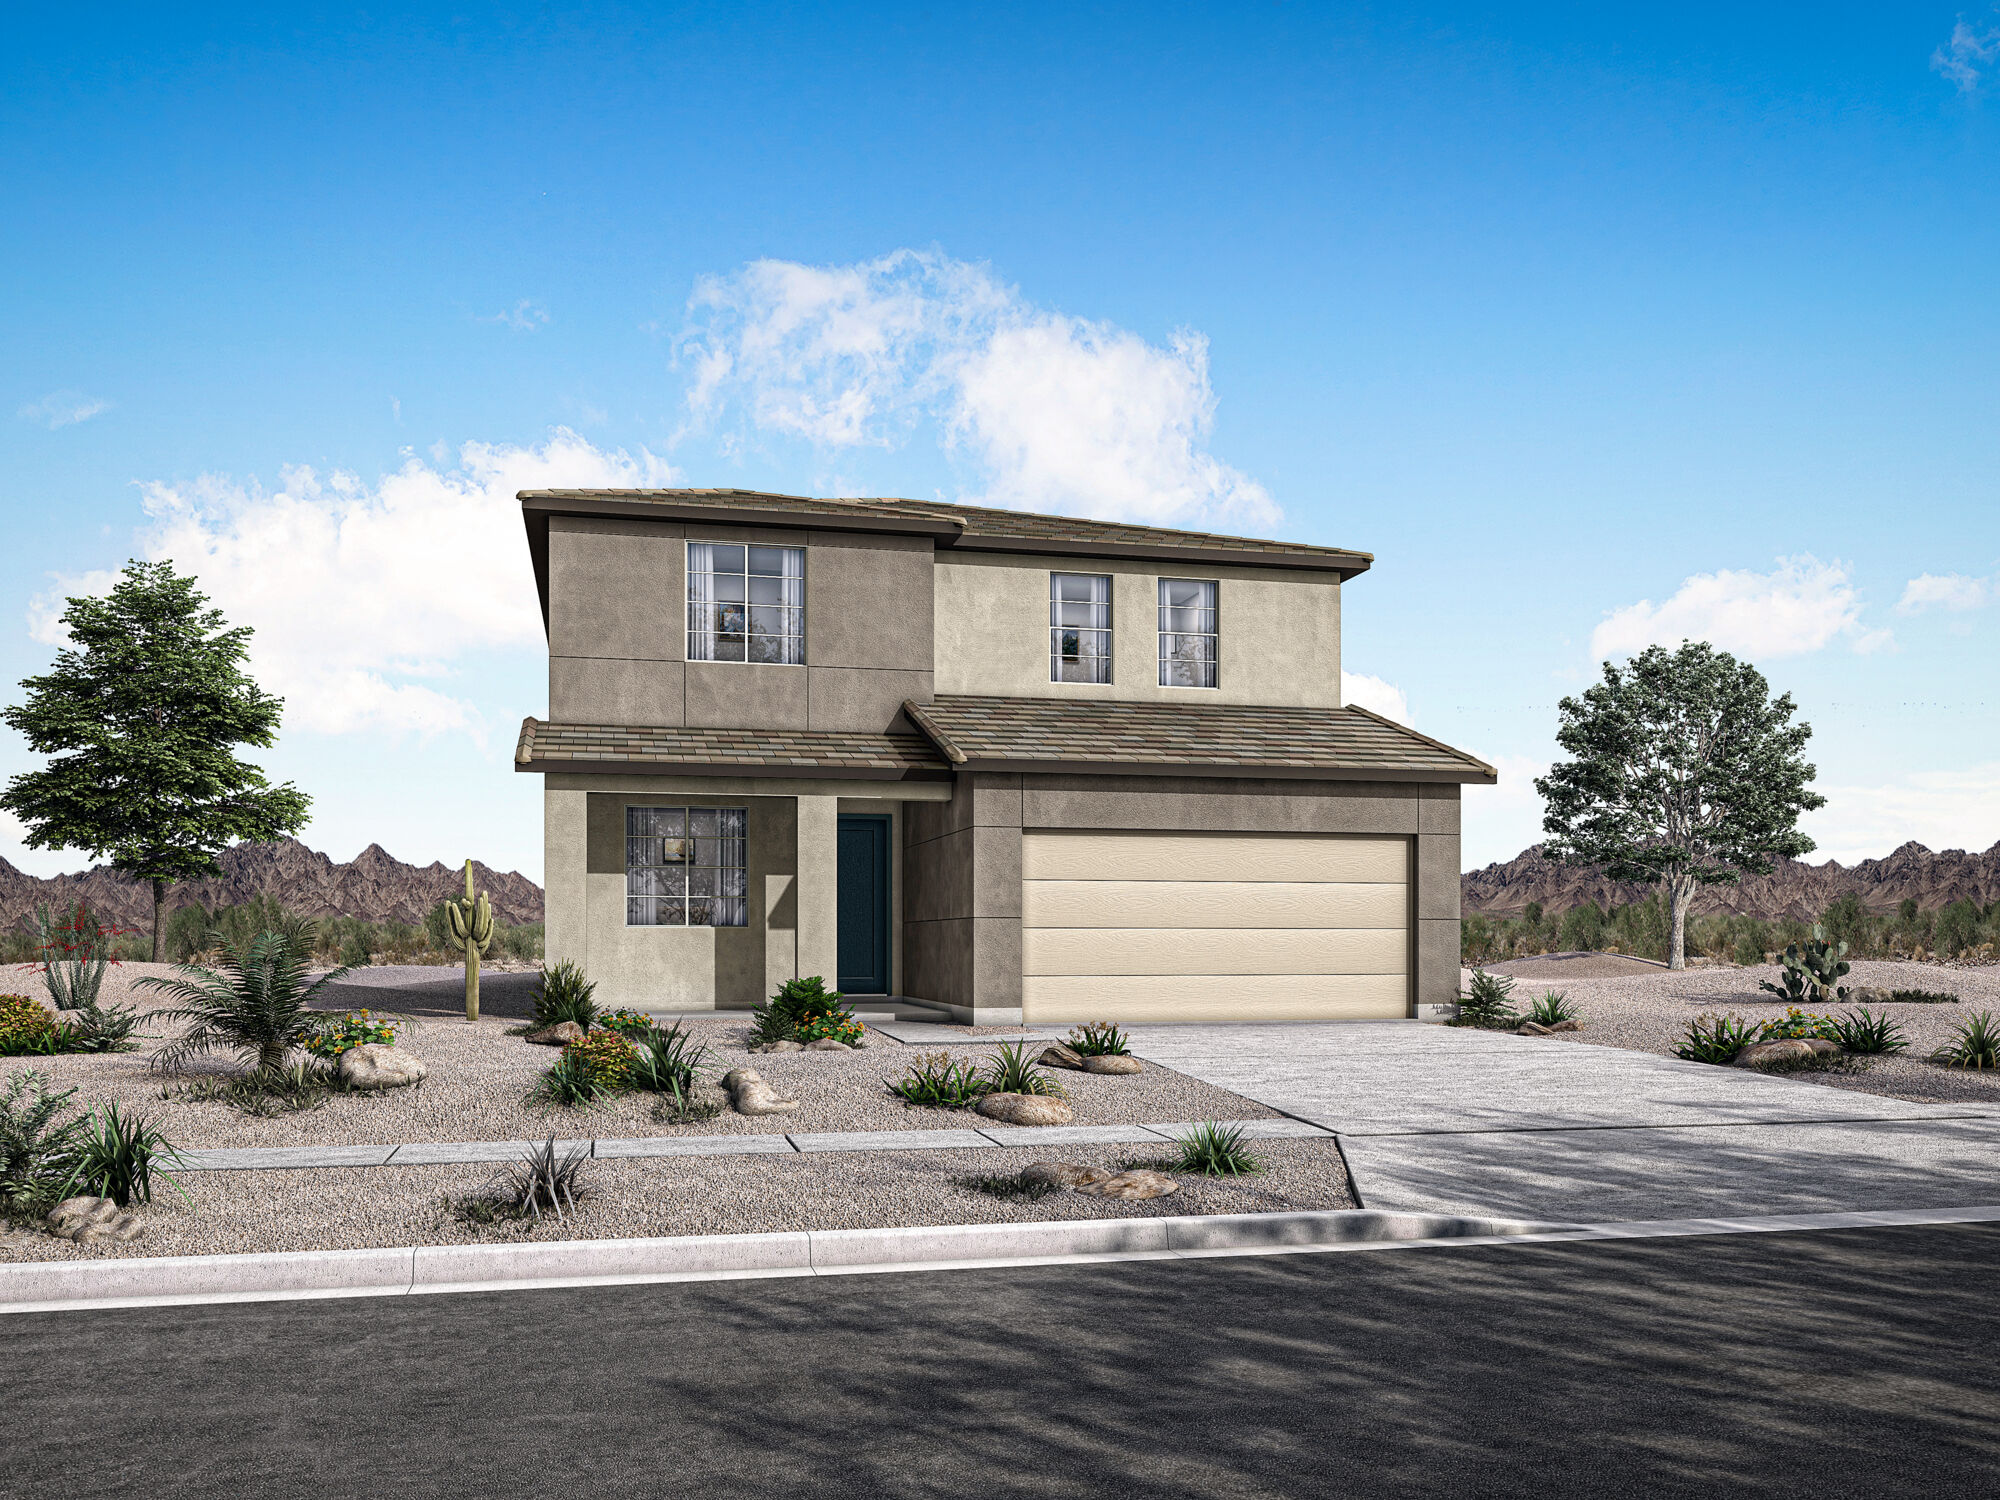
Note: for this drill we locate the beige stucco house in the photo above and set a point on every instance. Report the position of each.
(1020, 767)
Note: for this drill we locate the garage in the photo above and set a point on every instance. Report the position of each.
(1144, 926)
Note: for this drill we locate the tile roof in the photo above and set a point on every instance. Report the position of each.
(973, 522)
(584, 747)
(1345, 743)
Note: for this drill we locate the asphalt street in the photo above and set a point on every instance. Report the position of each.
(1856, 1362)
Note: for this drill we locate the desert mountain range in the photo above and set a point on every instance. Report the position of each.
(1793, 889)
(374, 885)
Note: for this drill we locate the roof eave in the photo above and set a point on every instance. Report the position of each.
(1245, 770)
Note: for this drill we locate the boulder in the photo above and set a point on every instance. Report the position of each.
(1866, 994)
(1133, 1186)
(1113, 1065)
(1567, 1026)
(1064, 1174)
(752, 1096)
(1532, 1028)
(89, 1220)
(1026, 1109)
(786, 1046)
(827, 1044)
(374, 1065)
(1789, 1050)
(1060, 1056)
(559, 1035)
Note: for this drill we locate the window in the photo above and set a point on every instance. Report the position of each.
(686, 867)
(746, 603)
(1079, 627)
(1187, 633)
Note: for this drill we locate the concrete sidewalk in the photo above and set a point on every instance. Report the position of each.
(1446, 1119)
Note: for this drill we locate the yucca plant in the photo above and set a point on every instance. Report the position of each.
(670, 1062)
(117, 1155)
(34, 1144)
(936, 1080)
(1976, 1043)
(571, 1083)
(564, 994)
(1485, 1001)
(544, 1178)
(1215, 1150)
(256, 1004)
(1863, 1032)
(1552, 1009)
(1099, 1039)
(1013, 1071)
(1714, 1039)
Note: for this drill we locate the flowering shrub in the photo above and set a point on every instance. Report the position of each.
(338, 1034)
(25, 1025)
(627, 1023)
(839, 1025)
(604, 1057)
(74, 951)
(1799, 1025)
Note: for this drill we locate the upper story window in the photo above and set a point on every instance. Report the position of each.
(1079, 627)
(746, 603)
(1187, 633)
(686, 867)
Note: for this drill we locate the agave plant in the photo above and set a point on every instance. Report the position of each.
(1975, 1043)
(1553, 1009)
(1013, 1071)
(1215, 1150)
(545, 1178)
(256, 1004)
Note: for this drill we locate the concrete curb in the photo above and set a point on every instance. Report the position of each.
(50, 1286)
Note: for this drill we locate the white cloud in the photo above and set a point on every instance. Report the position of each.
(1966, 53)
(1497, 822)
(1374, 694)
(1800, 606)
(523, 317)
(1952, 591)
(1055, 412)
(63, 409)
(1940, 809)
(365, 598)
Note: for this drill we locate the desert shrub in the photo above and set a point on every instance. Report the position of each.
(563, 994)
(1011, 1186)
(937, 1080)
(630, 1024)
(1552, 1009)
(1012, 1071)
(1215, 1150)
(190, 933)
(329, 1036)
(1475, 939)
(669, 1061)
(1099, 1039)
(1798, 1025)
(1864, 1032)
(545, 1178)
(1714, 1039)
(568, 1084)
(117, 1156)
(74, 950)
(1921, 997)
(1847, 923)
(1485, 1001)
(1748, 952)
(523, 941)
(256, 1003)
(1974, 1044)
(34, 1144)
(1582, 928)
(266, 1093)
(1957, 928)
(793, 1007)
(605, 1056)
(26, 1026)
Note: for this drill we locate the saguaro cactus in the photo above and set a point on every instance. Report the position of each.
(472, 926)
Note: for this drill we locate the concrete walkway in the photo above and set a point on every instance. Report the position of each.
(984, 1137)
(1449, 1120)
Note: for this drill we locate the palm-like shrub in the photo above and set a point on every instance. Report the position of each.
(256, 1003)
(117, 1156)
(1485, 1001)
(35, 1148)
(565, 995)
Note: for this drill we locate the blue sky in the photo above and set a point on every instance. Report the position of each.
(1596, 327)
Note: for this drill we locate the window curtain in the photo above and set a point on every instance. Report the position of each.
(732, 906)
(701, 602)
(794, 584)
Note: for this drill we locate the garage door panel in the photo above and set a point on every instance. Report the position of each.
(1183, 903)
(1288, 997)
(1228, 857)
(1084, 951)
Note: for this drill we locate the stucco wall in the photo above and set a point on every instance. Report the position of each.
(1278, 632)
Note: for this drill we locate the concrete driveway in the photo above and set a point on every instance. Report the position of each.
(1453, 1120)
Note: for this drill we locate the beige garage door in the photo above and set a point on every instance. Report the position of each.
(1188, 927)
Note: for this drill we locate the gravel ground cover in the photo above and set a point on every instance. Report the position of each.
(336, 1209)
(481, 1074)
(1650, 1013)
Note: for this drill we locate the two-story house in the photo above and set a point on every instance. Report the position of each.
(1024, 767)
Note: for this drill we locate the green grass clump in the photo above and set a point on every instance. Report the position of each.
(1865, 1033)
(1099, 1039)
(35, 1146)
(1714, 1039)
(290, 1090)
(1552, 1009)
(1214, 1150)
(936, 1080)
(564, 994)
(1921, 997)
(1013, 1071)
(117, 1156)
(1976, 1043)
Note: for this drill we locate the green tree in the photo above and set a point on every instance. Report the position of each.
(1684, 771)
(141, 713)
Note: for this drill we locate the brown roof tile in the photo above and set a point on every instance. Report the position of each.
(585, 747)
(1347, 743)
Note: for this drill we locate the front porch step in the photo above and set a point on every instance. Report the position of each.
(895, 1008)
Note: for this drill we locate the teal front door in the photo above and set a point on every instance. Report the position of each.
(863, 869)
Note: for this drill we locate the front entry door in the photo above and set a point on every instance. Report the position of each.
(864, 903)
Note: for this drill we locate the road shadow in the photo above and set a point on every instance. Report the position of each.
(414, 991)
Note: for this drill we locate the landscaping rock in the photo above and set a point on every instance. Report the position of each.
(1064, 1174)
(827, 1044)
(779, 1047)
(1060, 1056)
(559, 1035)
(1133, 1186)
(1791, 1049)
(87, 1220)
(1113, 1065)
(1026, 1109)
(1567, 1026)
(374, 1065)
(752, 1096)
(1867, 994)
(1533, 1028)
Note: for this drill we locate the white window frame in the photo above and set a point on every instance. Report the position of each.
(1059, 627)
(1213, 635)
(663, 867)
(785, 593)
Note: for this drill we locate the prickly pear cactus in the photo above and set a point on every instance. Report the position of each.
(1813, 970)
(472, 929)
